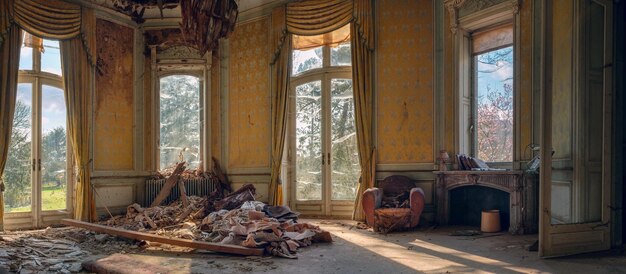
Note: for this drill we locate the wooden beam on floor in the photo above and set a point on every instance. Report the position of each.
(223, 248)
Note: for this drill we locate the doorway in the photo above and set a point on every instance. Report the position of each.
(326, 160)
(36, 174)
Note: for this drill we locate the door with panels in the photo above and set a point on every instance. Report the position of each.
(576, 122)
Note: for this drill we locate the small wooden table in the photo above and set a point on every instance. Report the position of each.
(391, 219)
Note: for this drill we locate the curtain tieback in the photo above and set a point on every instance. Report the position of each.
(1, 185)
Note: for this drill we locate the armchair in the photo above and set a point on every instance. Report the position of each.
(394, 186)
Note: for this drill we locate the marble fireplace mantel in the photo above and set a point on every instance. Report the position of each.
(509, 181)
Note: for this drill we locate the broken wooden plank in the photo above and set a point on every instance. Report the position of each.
(223, 248)
(169, 184)
(224, 184)
(183, 193)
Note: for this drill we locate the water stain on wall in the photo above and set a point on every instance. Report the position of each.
(113, 127)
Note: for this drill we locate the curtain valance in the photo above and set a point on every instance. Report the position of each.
(52, 19)
(317, 17)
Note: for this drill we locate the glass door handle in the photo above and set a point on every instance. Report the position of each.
(323, 163)
(328, 158)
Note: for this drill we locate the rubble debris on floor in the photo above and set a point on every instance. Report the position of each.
(234, 219)
(60, 250)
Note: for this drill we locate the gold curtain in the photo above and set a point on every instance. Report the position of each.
(78, 74)
(10, 55)
(75, 27)
(54, 19)
(280, 92)
(314, 17)
(362, 68)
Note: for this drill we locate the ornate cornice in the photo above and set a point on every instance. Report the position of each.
(453, 7)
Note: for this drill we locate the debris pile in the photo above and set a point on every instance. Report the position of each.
(237, 220)
(234, 219)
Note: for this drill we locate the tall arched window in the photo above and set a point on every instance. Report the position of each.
(326, 165)
(36, 175)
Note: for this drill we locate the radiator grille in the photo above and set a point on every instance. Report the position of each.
(193, 187)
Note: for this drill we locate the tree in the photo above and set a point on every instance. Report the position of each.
(495, 125)
(495, 106)
(54, 150)
(16, 175)
(344, 161)
(180, 120)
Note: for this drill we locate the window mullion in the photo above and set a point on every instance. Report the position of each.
(326, 57)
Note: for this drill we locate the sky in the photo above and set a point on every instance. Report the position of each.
(495, 80)
(53, 112)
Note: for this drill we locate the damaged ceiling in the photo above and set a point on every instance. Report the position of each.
(141, 10)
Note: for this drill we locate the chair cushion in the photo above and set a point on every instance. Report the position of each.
(396, 185)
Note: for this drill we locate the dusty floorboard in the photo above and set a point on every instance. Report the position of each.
(360, 251)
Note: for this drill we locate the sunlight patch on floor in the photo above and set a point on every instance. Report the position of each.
(471, 257)
(395, 252)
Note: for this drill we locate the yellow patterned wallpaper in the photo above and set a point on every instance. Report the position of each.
(248, 96)
(405, 126)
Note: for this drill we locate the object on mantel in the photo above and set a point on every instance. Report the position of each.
(471, 163)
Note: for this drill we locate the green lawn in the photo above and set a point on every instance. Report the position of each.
(52, 198)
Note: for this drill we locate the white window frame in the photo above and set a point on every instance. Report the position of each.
(39, 217)
(503, 13)
(325, 74)
(181, 60)
(194, 73)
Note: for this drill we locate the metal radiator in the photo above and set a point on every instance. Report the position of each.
(193, 187)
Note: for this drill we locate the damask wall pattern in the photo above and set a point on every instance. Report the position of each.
(248, 95)
(405, 125)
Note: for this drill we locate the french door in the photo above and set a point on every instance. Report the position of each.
(37, 176)
(576, 135)
(323, 138)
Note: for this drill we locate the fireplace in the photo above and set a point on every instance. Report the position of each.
(468, 202)
(476, 187)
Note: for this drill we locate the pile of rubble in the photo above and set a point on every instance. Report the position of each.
(237, 220)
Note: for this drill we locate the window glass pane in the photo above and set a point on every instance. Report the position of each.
(179, 120)
(304, 60)
(51, 57)
(26, 58)
(53, 149)
(341, 55)
(17, 173)
(345, 157)
(494, 111)
(309, 141)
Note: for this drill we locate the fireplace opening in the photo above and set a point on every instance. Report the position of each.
(467, 203)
